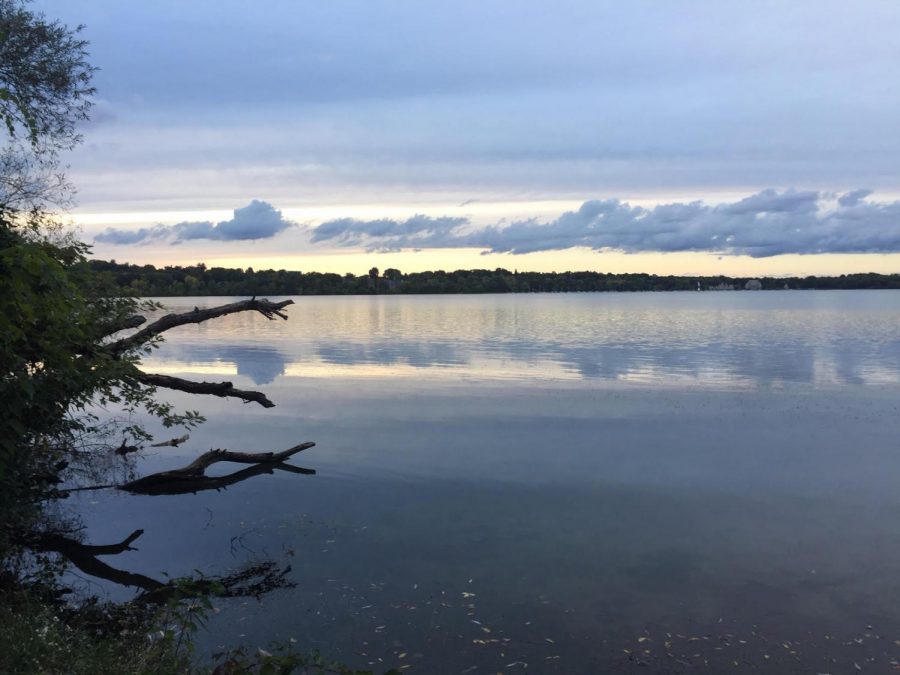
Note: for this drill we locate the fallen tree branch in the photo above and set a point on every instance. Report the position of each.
(84, 557)
(268, 309)
(192, 478)
(199, 465)
(172, 442)
(125, 323)
(56, 541)
(222, 389)
(251, 581)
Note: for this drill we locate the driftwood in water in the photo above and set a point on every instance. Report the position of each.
(84, 557)
(192, 478)
(250, 581)
(253, 580)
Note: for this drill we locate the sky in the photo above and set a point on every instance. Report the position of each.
(665, 136)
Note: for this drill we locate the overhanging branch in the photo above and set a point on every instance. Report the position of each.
(223, 389)
(268, 309)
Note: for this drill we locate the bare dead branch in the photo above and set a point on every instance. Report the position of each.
(84, 557)
(252, 581)
(207, 459)
(55, 541)
(171, 443)
(268, 309)
(222, 389)
(192, 478)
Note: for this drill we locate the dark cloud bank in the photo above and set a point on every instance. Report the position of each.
(257, 220)
(765, 224)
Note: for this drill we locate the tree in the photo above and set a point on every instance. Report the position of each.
(45, 78)
(59, 317)
(45, 91)
(62, 349)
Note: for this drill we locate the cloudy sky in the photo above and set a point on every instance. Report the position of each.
(668, 136)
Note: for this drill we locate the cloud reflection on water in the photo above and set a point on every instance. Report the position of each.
(723, 364)
(710, 339)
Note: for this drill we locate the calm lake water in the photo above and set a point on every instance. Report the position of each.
(583, 483)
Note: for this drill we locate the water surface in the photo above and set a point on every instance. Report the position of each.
(576, 482)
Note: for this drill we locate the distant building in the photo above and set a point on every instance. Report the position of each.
(722, 287)
(753, 285)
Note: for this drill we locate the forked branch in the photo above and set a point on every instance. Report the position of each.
(84, 557)
(192, 478)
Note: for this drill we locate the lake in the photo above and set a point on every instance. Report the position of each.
(656, 482)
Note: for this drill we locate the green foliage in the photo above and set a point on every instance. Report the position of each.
(55, 315)
(39, 636)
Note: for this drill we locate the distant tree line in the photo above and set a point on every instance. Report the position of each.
(148, 280)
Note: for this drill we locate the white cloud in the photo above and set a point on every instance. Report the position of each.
(257, 220)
